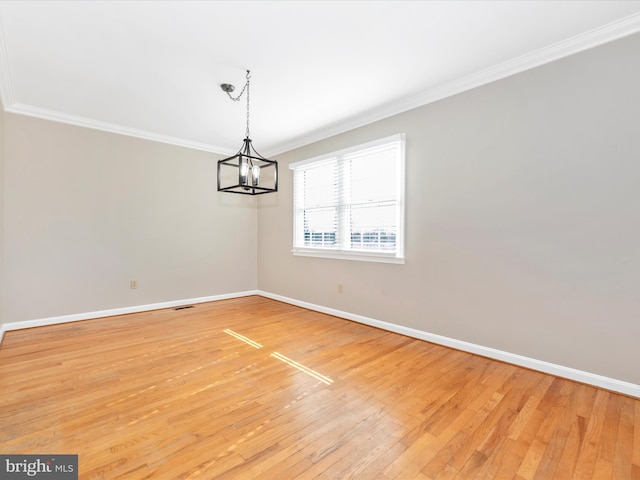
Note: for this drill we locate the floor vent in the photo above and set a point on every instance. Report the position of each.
(182, 308)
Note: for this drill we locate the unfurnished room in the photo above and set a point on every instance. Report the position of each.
(296, 240)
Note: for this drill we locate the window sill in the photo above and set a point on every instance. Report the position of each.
(344, 255)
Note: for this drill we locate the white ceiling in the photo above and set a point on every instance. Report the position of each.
(153, 69)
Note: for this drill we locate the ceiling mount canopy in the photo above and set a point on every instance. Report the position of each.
(247, 172)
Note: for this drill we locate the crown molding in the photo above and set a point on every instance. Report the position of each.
(9, 103)
(43, 113)
(7, 98)
(585, 41)
(593, 38)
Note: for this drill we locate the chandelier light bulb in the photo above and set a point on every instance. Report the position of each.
(244, 173)
(255, 174)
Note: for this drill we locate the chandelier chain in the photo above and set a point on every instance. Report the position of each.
(248, 80)
(239, 96)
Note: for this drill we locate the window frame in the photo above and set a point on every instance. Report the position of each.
(348, 254)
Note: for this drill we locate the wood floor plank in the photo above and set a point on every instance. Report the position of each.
(590, 446)
(622, 466)
(635, 460)
(567, 461)
(171, 395)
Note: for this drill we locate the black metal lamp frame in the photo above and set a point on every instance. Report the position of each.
(247, 184)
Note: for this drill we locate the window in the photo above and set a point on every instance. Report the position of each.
(350, 204)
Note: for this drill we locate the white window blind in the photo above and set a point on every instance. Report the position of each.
(350, 204)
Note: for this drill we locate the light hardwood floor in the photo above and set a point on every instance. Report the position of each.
(181, 395)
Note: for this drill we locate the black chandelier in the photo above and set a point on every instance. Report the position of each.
(247, 172)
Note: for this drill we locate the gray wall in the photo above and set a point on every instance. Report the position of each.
(1, 218)
(522, 218)
(87, 211)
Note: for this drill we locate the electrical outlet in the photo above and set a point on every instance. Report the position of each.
(133, 284)
(339, 288)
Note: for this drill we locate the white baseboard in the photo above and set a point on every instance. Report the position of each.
(607, 383)
(40, 322)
